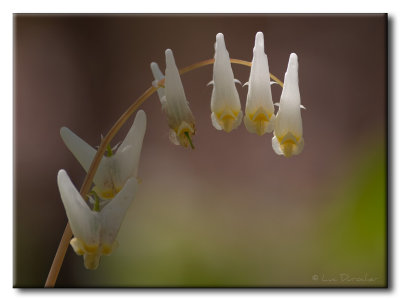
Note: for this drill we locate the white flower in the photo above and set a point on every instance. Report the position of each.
(94, 232)
(225, 104)
(288, 134)
(115, 169)
(259, 116)
(174, 103)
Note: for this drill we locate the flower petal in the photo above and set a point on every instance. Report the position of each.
(173, 138)
(158, 75)
(82, 151)
(84, 222)
(276, 146)
(260, 123)
(227, 120)
(111, 216)
(128, 165)
(215, 122)
(299, 148)
(91, 261)
(288, 146)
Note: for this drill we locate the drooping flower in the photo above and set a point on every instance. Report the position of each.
(225, 104)
(174, 102)
(259, 116)
(115, 168)
(288, 134)
(94, 231)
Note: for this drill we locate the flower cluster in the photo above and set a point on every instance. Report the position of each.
(95, 224)
(226, 113)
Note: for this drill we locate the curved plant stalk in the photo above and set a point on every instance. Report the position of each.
(67, 235)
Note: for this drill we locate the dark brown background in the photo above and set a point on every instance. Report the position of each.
(232, 206)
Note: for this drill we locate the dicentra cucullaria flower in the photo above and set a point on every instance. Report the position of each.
(288, 133)
(259, 116)
(96, 228)
(94, 231)
(115, 168)
(225, 104)
(174, 102)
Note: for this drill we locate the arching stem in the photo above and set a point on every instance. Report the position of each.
(67, 235)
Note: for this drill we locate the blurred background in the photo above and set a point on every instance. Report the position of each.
(231, 212)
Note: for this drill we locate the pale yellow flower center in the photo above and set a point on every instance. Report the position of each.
(109, 193)
(260, 119)
(184, 134)
(288, 143)
(227, 119)
(92, 252)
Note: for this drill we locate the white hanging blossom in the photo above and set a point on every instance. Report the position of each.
(288, 134)
(259, 116)
(114, 169)
(174, 102)
(94, 231)
(225, 104)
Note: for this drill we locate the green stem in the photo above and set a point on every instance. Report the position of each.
(96, 206)
(109, 151)
(190, 140)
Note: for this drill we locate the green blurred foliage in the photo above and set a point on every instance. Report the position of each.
(353, 233)
(175, 242)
